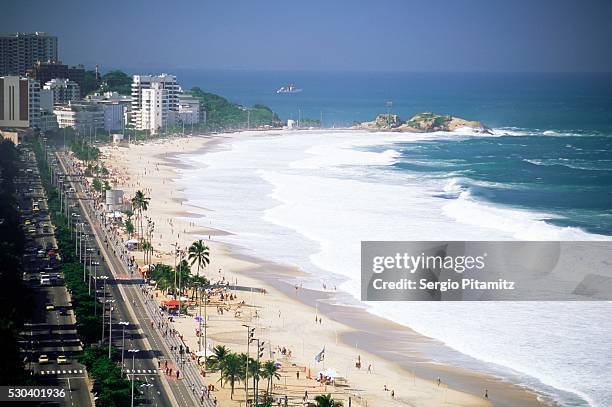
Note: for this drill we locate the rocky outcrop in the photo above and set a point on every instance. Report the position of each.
(422, 123)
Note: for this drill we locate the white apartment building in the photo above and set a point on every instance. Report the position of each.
(149, 111)
(154, 108)
(64, 90)
(19, 102)
(189, 109)
(84, 117)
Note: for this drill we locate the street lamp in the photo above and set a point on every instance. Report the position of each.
(110, 326)
(133, 352)
(124, 324)
(250, 337)
(104, 302)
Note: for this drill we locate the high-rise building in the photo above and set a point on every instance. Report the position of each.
(64, 90)
(44, 71)
(19, 102)
(154, 108)
(155, 101)
(20, 51)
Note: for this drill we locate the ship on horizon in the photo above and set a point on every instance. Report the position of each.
(291, 88)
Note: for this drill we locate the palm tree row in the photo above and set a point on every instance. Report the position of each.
(164, 277)
(140, 204)
(232, 367)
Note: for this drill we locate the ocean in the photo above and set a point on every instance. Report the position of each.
(309, 198)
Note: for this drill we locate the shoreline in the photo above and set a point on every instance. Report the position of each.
(349, 325)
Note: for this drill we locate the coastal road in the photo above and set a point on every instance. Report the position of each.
(130, 306)
(50, 332)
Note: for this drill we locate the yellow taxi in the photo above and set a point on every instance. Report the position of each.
(42, 359)
(49, 307)
(62, 360)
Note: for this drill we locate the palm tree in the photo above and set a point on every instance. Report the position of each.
(129, 227)
(199, 253)
(254, 371)
(140, 203)
(163, 276)
(326, 400)
(217, 359)
(270, 371)
(183, 274)
(196, 283)
(146, 248)
(232, 370)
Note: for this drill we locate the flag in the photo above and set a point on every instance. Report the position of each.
(320, 356)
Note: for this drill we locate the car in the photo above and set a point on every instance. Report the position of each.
(62, 360)
(49, 307)
(27, 222)
(42, 359)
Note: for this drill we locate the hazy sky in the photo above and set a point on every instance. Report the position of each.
(405, 35)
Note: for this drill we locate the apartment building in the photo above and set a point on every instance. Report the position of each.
(20, 51)
(83, 117)
(64, 90)
(19, 102)
(155, 101)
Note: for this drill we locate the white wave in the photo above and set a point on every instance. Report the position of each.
(283, 198)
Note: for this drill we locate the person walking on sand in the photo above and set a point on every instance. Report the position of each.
(486, 395)
(393, 394)
(297, 374)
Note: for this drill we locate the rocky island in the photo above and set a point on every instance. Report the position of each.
(422, 123)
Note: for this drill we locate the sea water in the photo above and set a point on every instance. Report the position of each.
(309, 198)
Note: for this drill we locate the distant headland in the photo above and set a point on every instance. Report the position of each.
(422, 123)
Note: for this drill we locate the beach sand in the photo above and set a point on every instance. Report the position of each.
(285, 316)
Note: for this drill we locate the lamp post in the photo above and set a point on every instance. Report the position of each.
(104, 301)
(250, 334)
(133, 352)
(124, 324)
(260, 349)
(110, 326)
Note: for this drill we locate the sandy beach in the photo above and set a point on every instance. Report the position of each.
(284, 316)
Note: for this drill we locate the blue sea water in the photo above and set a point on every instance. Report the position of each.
(545, 173)
(559, 102)
(561, 162)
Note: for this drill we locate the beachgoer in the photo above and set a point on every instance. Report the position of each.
(486, 395)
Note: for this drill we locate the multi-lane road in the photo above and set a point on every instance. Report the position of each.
(50, 334)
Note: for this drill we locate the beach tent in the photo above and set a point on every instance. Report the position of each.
(331, 373)
(131, 244)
